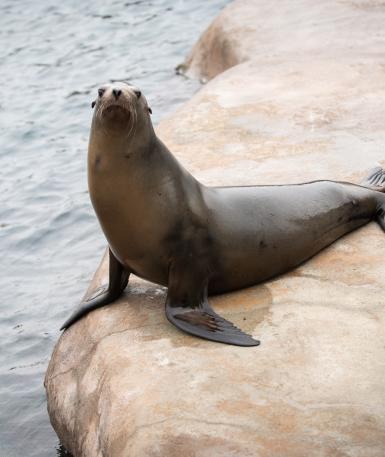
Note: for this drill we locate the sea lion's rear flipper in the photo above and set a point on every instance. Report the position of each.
(188, 309)
(118, 279)
(380, 217)
(375, 179)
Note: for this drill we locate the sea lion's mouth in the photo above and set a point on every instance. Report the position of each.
(116, 112)
(115, 108)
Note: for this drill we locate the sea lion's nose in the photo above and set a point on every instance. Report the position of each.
(116, 93)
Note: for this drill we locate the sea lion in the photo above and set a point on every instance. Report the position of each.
(164, 226)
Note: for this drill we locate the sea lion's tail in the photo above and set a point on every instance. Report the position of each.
(375, 180)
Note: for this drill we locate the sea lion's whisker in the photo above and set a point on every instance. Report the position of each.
(133, 120)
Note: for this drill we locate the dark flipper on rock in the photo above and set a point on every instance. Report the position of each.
(118, 279)
(380, 217)
(188, 309)
(375, 180)
(207, 324)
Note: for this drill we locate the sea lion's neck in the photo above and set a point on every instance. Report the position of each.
(115, 145)
(142, 152)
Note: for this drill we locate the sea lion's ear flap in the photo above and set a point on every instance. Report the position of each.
(138, 93)
(93, 104)
(149, 110)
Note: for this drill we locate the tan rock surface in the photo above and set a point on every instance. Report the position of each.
(292, 30)
(124, 382)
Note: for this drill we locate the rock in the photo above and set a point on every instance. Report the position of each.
(303, 30)
(124, 382)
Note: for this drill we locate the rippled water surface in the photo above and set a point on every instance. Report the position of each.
(53, 57)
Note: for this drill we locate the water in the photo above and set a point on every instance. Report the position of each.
(53, 57)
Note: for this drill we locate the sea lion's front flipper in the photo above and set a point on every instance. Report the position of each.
(188, 309)
(118, 279)
(208, 325)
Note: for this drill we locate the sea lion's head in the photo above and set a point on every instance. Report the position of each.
(120, 108)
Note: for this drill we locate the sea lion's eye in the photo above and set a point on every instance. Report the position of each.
(138, 93)
(101, 91)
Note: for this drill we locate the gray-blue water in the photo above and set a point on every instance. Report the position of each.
(53, 57)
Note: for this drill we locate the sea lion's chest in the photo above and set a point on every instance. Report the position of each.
(135, 216)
